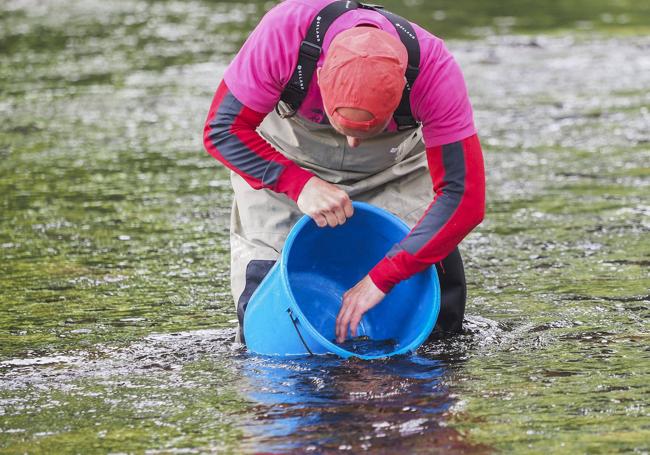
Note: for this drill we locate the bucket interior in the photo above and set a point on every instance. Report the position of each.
(323, 263)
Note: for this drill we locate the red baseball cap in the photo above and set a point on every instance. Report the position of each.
(364, 69)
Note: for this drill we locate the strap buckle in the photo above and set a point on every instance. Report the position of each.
(405, 122)
(370, 6)
(285, 110)
(310, 51)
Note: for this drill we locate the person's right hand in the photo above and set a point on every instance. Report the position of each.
(326, 204)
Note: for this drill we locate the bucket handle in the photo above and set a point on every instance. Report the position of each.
(294, 320)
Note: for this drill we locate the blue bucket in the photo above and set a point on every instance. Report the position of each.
(294, 309)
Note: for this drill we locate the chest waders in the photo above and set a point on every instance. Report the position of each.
(388, 170)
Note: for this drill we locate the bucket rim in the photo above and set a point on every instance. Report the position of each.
(332, 347)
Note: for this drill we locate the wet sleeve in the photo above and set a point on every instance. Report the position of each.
(230, 135)
(458, 206)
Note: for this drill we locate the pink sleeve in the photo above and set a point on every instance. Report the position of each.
(440, 100)
(265, 63)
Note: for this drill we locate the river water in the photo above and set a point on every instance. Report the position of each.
(116, 323)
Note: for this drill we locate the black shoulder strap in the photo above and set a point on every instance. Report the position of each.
(311, 47)
(403, 116)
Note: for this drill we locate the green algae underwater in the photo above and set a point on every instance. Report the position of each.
(116, 322)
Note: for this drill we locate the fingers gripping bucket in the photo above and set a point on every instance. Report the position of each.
(294, 309)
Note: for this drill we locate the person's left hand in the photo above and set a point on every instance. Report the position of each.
(356, 301)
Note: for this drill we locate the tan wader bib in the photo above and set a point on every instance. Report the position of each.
(390, 171)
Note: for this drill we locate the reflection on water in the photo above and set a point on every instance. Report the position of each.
(327, 404)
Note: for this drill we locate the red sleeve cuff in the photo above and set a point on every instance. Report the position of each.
(384, 275)
(292, 181)
(391, 270)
